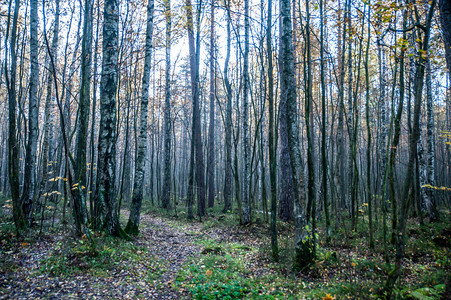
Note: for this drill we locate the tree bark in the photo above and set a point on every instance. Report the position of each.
(166, 193)
(271, 139)
(33, 116)
(13, 144)
(48, 106)
(245, 115)
(135, 207)
(211, 128)
(302, 242)
(228, 125)
(197, 138)
(324, 162)
(79, 201)
(107, 134)
(431, 205)
(368, 132)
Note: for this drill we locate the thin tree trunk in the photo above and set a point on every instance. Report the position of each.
(323, 126)
(368, 132)
(340, 132)
(33, 116)
(197, 138)
(311, 190)
(135, 207)
(228, 125)
(80, 210)
(166, 193)
(47, 107)
(13, 144)
(245, 115)
(271, 139)
(431, 206)
(445, 21)
(91, 190)
(211, 130)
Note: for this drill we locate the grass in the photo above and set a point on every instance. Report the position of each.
(344, 269)
(224, 271)
(70, 258)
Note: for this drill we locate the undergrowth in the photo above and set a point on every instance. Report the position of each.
(76, 257)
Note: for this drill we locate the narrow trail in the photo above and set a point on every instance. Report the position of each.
(168, 248)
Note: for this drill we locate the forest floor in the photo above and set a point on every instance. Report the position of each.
(213, 259)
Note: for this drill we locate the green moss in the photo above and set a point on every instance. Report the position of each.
(131, 229)
(304, 256)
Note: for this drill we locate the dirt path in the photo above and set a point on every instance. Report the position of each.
(167, 247)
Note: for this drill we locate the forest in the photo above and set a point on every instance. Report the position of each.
(225, 149)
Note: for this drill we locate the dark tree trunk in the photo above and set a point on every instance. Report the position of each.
(211, 128)
(197, 134)
(166, 192)
(324, 161)
(271, 139)
(368, 132)
(13, 144)
(228, 125)
(33, 116)
(80, 211)
(445, 21)
(245, 115)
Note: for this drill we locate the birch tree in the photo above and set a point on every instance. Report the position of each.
(106, 165)
(137, 198)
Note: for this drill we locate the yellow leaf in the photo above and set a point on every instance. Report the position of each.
(208, 273)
